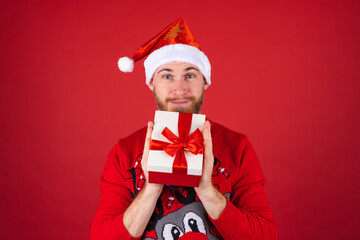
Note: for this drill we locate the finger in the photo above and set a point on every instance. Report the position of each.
(150, 126)
(207, 137)
(148, 134)
(146, 148)
(206, 130)
(208, 155)
(148, 138)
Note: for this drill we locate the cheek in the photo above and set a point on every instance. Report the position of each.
(161, 91)
(198, 89)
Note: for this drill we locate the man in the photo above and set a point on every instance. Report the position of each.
(229, 202)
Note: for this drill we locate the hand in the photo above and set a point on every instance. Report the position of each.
(136, 217)
(205, 180)
(144, 160)
(213, 201)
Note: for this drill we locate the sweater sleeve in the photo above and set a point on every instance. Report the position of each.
(247, 214)
(115, 198)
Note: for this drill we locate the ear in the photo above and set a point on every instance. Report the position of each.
(151, 85)
(206, 85)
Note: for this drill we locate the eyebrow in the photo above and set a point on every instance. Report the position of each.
(165, 69)
(191, 68)
(186, 69)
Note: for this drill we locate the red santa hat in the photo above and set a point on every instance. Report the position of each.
(175, 43)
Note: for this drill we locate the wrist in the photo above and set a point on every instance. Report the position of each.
(206, 192)
(153, 189)
(213, 201)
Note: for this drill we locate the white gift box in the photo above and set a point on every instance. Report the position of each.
(160, 165)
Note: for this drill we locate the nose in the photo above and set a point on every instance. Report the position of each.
(180, 87)
(193, 235)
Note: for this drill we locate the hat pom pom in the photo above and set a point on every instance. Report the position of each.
(126, 64)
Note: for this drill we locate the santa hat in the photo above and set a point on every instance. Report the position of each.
(175, 43)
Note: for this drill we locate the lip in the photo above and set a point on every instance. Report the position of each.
(180, 102)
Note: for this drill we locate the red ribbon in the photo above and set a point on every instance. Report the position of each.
(192, 143)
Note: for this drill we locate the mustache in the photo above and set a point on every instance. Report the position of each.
(193, 99)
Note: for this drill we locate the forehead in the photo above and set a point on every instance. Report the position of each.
(177, 66)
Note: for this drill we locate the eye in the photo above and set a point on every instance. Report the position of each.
(167, 76)
(193, 223)
(190, 76)
(171, 232)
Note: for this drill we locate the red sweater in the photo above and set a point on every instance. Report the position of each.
(179, 213)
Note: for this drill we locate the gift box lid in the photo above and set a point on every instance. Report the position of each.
(159, 160)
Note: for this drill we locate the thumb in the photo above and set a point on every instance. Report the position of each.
(207, 138)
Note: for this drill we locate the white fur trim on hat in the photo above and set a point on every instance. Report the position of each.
(177, 53)
(126, 64)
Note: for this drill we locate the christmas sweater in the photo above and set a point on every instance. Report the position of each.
(179, 213)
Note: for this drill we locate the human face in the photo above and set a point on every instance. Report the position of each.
(178, 87)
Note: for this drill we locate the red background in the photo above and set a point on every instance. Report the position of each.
(285, 73)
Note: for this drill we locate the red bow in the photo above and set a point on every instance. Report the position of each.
(192, 143)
